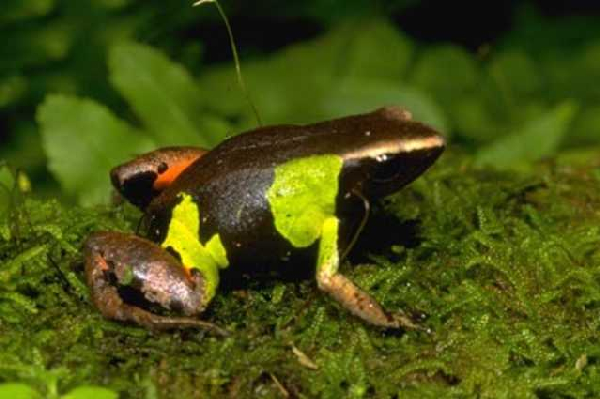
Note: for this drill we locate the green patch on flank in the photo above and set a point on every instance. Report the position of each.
(303, 195)
(215, 247)
(183, 237)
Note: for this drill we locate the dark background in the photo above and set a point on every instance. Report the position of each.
(60, 46)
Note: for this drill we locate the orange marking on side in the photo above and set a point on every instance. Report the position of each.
(101, 262)
(175, 169)
(188, 272)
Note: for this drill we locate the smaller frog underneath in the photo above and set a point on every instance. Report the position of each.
(270, 195)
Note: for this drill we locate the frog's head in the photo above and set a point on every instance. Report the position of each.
(395, 152)
(143, 178)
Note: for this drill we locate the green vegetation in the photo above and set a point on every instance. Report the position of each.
(498, 246)
(504, 265)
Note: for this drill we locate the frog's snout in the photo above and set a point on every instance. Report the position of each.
(136, 186)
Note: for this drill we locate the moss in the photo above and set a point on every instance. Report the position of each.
(504, 267)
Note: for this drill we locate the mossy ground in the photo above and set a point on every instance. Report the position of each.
(505, 266)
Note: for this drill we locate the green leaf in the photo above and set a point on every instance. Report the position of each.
(164, 97)
(377, 49)
(363, 95)
(83, 141)
(473, 119)
(90, 391)
(12, 89)
(516, 74)
(586, 128)
(446, 72)
(295, 85)
(21, 11)
(287, 87)
(537, 139)
(17, 391)
(7, 185)
(13, 267)
(7, 177)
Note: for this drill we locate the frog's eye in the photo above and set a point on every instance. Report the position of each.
(401, 167)
(386, 169)
(389, 172)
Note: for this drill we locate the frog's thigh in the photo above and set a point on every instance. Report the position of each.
(111, 305)
(106, 254)
(343, 290)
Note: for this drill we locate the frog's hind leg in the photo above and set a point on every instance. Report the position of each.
(144, 177)
(129, 275)
(344, 291)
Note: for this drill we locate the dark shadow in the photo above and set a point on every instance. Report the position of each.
(384, 230)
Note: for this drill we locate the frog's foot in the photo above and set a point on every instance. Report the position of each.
(130, 277)
(345, 292)
(361, 304)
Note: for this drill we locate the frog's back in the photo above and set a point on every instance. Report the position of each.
(268, 147)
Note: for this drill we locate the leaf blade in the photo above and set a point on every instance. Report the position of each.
(164, 96)
(83, 141)
(539, 138)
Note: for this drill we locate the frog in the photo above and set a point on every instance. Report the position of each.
(270, 196)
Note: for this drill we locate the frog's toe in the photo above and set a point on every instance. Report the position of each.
(402, 320)
(132, 279)
(156, 322)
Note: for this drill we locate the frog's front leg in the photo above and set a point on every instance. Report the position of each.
(131, 278)
(344, 291)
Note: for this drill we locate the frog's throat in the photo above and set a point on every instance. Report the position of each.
(303, 196)
(183, 236)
